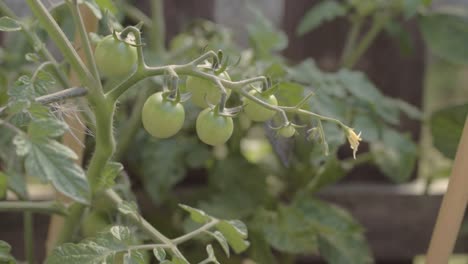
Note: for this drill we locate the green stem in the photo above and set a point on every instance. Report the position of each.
(158, 32)
(195, 232)
(144, 225)
(352, 37)
(379, 22)
(72, 224)
(59, 38)
(131, 126)
(48, 207)
(29, 236)
(78, 19)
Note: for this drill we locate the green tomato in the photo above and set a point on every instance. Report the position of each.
(287, 131)
(257, 112)
(115, 58)
(212, 128)
(162, 118)
(205, 90)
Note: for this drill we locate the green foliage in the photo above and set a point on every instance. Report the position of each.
(105, 248)
(395, 155)
(5, 255)
(322, 12)
(446, 35)
(8, 24)
(446, 127)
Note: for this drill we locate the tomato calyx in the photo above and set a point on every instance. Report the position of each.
(287, 129)
(227, 112)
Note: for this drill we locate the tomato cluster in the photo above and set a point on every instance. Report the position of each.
(163, 116)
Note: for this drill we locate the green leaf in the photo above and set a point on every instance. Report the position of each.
(51, 161)
(235, 233)
(110, 173)
(159, 253)
(8, 24)
(446, 127)
(5, 255)
(260, 250)
(134, 257)
(3, 185)
(264, 37)
(102, 249)
(46, 128)
(196, 215)
(324, 11)
(340, 237)
(410, 7)
(327, 174)
(287, 230)
(161, 163)
(128, 208)
(395, 155)
(93, 6)
(446, 35)
(221, 240)
(107, 4)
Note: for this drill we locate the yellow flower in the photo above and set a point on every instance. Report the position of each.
(353, 140)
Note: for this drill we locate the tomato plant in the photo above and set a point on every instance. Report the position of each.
(250, 189)
(161, 117)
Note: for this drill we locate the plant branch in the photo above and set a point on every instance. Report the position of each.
(78, 19)
(158, 28)
(28, 225)
(378, 23)
(195, 232)
(47, 207)
(351, 38)
(144, 225)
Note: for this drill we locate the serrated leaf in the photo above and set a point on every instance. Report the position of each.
(159, 253)
(446, 35)
(235, 233)
(340, 237)
(99, 250)
(446, 127)
(110, 173)
(196, 215)
(264, 37)
(128, 208)
(134, 257)
(395, 155)
(221, 240)
(46, 128)
(288, 230)
(122, 233)
(8, 24)
(322, 12)
(5, 253)
(160, 164)
(51, 161)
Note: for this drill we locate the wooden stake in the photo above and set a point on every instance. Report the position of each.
(453, 207)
